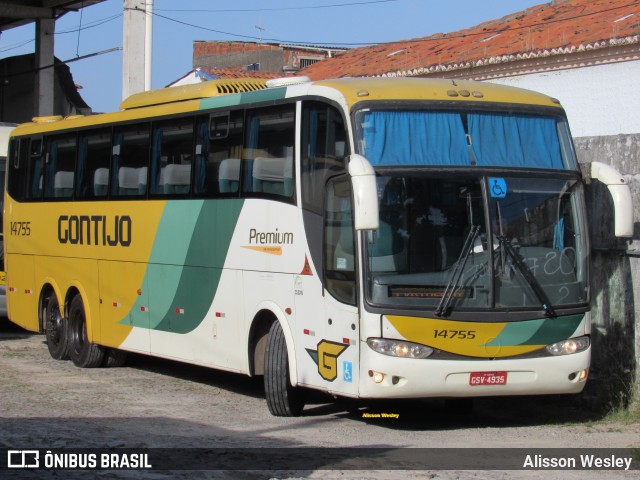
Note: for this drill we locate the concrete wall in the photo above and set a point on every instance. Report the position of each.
(599, 100)
(271, 57)
(17, 102)
(237, 54)
(269, 60)
(604, 116)
(615, 269)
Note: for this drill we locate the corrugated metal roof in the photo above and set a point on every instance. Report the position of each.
(15, 13)
(557, 28)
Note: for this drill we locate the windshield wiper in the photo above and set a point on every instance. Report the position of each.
(458, 268)
(506, 247)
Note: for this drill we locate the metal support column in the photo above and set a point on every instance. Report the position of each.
(45, 75)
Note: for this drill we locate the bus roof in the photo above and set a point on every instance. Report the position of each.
(192, 98)
(195, 91)
(434, 89)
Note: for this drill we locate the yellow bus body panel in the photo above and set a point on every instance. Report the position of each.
(434, 90)
(56, 253)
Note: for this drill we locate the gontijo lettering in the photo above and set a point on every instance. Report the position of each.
(95, 230)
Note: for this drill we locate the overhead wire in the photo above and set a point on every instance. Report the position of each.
(15, 46)
(416, 40)
(273, 9)
(103, 21)
(60, 62)
(79, 30)
(95, 23)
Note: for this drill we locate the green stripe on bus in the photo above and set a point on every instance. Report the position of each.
(555, 329)
(175, 232)
(186, 264)
(543, 331)
(203, 266)
(257, 96)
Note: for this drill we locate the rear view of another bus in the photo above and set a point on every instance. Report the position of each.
(5, 130)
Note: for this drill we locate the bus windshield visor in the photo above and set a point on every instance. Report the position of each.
(483, 139)
(450, 242)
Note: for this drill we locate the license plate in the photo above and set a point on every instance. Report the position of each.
(487, 378)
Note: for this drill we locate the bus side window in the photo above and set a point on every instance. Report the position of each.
(94, 157)
(35, 166)
(172, 157)
(324, 148)
(267, 161)
(60, 166)
(130, 160)
(218, 154)
(340, 270)
(19, 174)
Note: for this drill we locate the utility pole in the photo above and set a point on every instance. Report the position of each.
(136, 46)
(261, 29)
(45, 76)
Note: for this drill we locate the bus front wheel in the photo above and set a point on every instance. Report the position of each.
(283, 399)
(54, 327)
(83, 353)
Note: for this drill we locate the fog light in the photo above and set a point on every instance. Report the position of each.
(378, 377)
(583, 375)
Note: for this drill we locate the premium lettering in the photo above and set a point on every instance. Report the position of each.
(270, 238)
(95, 230)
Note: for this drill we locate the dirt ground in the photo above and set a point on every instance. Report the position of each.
(151, 403)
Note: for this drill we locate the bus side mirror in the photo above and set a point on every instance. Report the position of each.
(621, 195)
(365, 193)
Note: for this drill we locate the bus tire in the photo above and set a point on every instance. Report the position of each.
(55, 331)
(83, 353)
(114, 358)
(283, 399)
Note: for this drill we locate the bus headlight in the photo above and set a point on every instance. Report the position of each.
(399, 348)
(567, 347)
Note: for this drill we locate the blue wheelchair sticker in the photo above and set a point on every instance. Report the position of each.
(347, 376)
(497, 187)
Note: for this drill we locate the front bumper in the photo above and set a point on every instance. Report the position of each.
(422, 378)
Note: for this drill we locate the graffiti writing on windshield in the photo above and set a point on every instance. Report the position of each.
(554, 262)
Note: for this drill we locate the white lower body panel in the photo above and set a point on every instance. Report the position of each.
(411, 378)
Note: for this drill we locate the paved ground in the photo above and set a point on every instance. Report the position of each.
(152, 403)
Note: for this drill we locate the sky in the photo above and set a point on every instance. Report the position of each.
(177, 24)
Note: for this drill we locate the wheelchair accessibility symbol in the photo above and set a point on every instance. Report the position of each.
(348, 372)
(497, 187)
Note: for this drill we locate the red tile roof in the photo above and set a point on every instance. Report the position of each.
(557, 28)
(239, 72)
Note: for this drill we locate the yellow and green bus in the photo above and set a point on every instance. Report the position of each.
(5, 132)
(369, 238)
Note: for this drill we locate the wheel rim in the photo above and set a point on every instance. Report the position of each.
(54, 325)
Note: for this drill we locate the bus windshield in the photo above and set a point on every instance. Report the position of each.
(463, 241)
(474, 238)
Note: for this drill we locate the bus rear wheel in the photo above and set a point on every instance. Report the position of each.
(54, 328)
(83, 353)
(283, 399)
